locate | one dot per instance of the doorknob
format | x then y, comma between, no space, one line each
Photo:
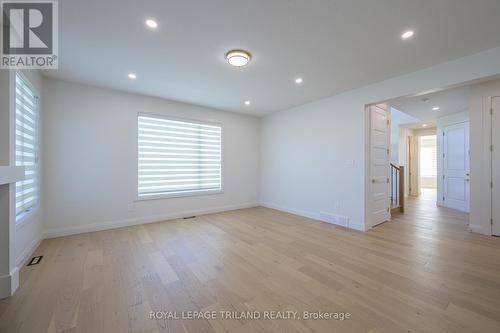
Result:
467,174
373,181
467,179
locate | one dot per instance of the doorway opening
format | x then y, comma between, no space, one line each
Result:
427,166
419,151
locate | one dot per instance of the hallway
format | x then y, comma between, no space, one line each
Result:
423,213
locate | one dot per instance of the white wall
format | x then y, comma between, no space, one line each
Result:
90,156
307,151
441,123
480,141
398,118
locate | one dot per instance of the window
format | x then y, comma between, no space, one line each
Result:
26,147
428,156
177,157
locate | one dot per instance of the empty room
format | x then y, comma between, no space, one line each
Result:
250,166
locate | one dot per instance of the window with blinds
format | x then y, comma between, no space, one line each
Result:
26,147
428,156
178,157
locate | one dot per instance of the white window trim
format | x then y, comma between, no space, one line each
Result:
21,219
179,194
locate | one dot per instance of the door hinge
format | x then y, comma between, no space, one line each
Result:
387,151
491,148
443,133
491,184
443,198
491,111
387,179
491,220
443,176
387,121
443,155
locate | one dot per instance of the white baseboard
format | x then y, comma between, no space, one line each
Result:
5,290
14,280
479,229
73,230
9,283
310,215
24,256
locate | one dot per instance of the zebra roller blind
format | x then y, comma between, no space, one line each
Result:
177,157
26,146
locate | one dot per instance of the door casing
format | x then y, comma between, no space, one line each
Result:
495,165
379,162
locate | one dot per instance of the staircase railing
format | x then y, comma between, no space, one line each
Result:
397,188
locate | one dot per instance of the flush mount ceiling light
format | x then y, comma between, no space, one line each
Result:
132,76
247,102
151,24
299,80
238,58
424,125
407,34
436,108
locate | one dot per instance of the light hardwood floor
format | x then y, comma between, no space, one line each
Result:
421,272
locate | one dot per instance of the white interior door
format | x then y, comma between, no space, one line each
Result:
495,167
379,165
456,170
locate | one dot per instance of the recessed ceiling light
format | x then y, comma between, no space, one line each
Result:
408,34
152,24
247,102
424,125
299,80
238,58
132,76
436,108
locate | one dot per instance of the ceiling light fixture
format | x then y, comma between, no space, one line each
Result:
247,102
408,34
152,24
299,80
436,108
132,76
424,125
238,58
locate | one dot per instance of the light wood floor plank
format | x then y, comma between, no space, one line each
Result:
421,272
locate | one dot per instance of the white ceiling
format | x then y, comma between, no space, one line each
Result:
335,45
449,102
